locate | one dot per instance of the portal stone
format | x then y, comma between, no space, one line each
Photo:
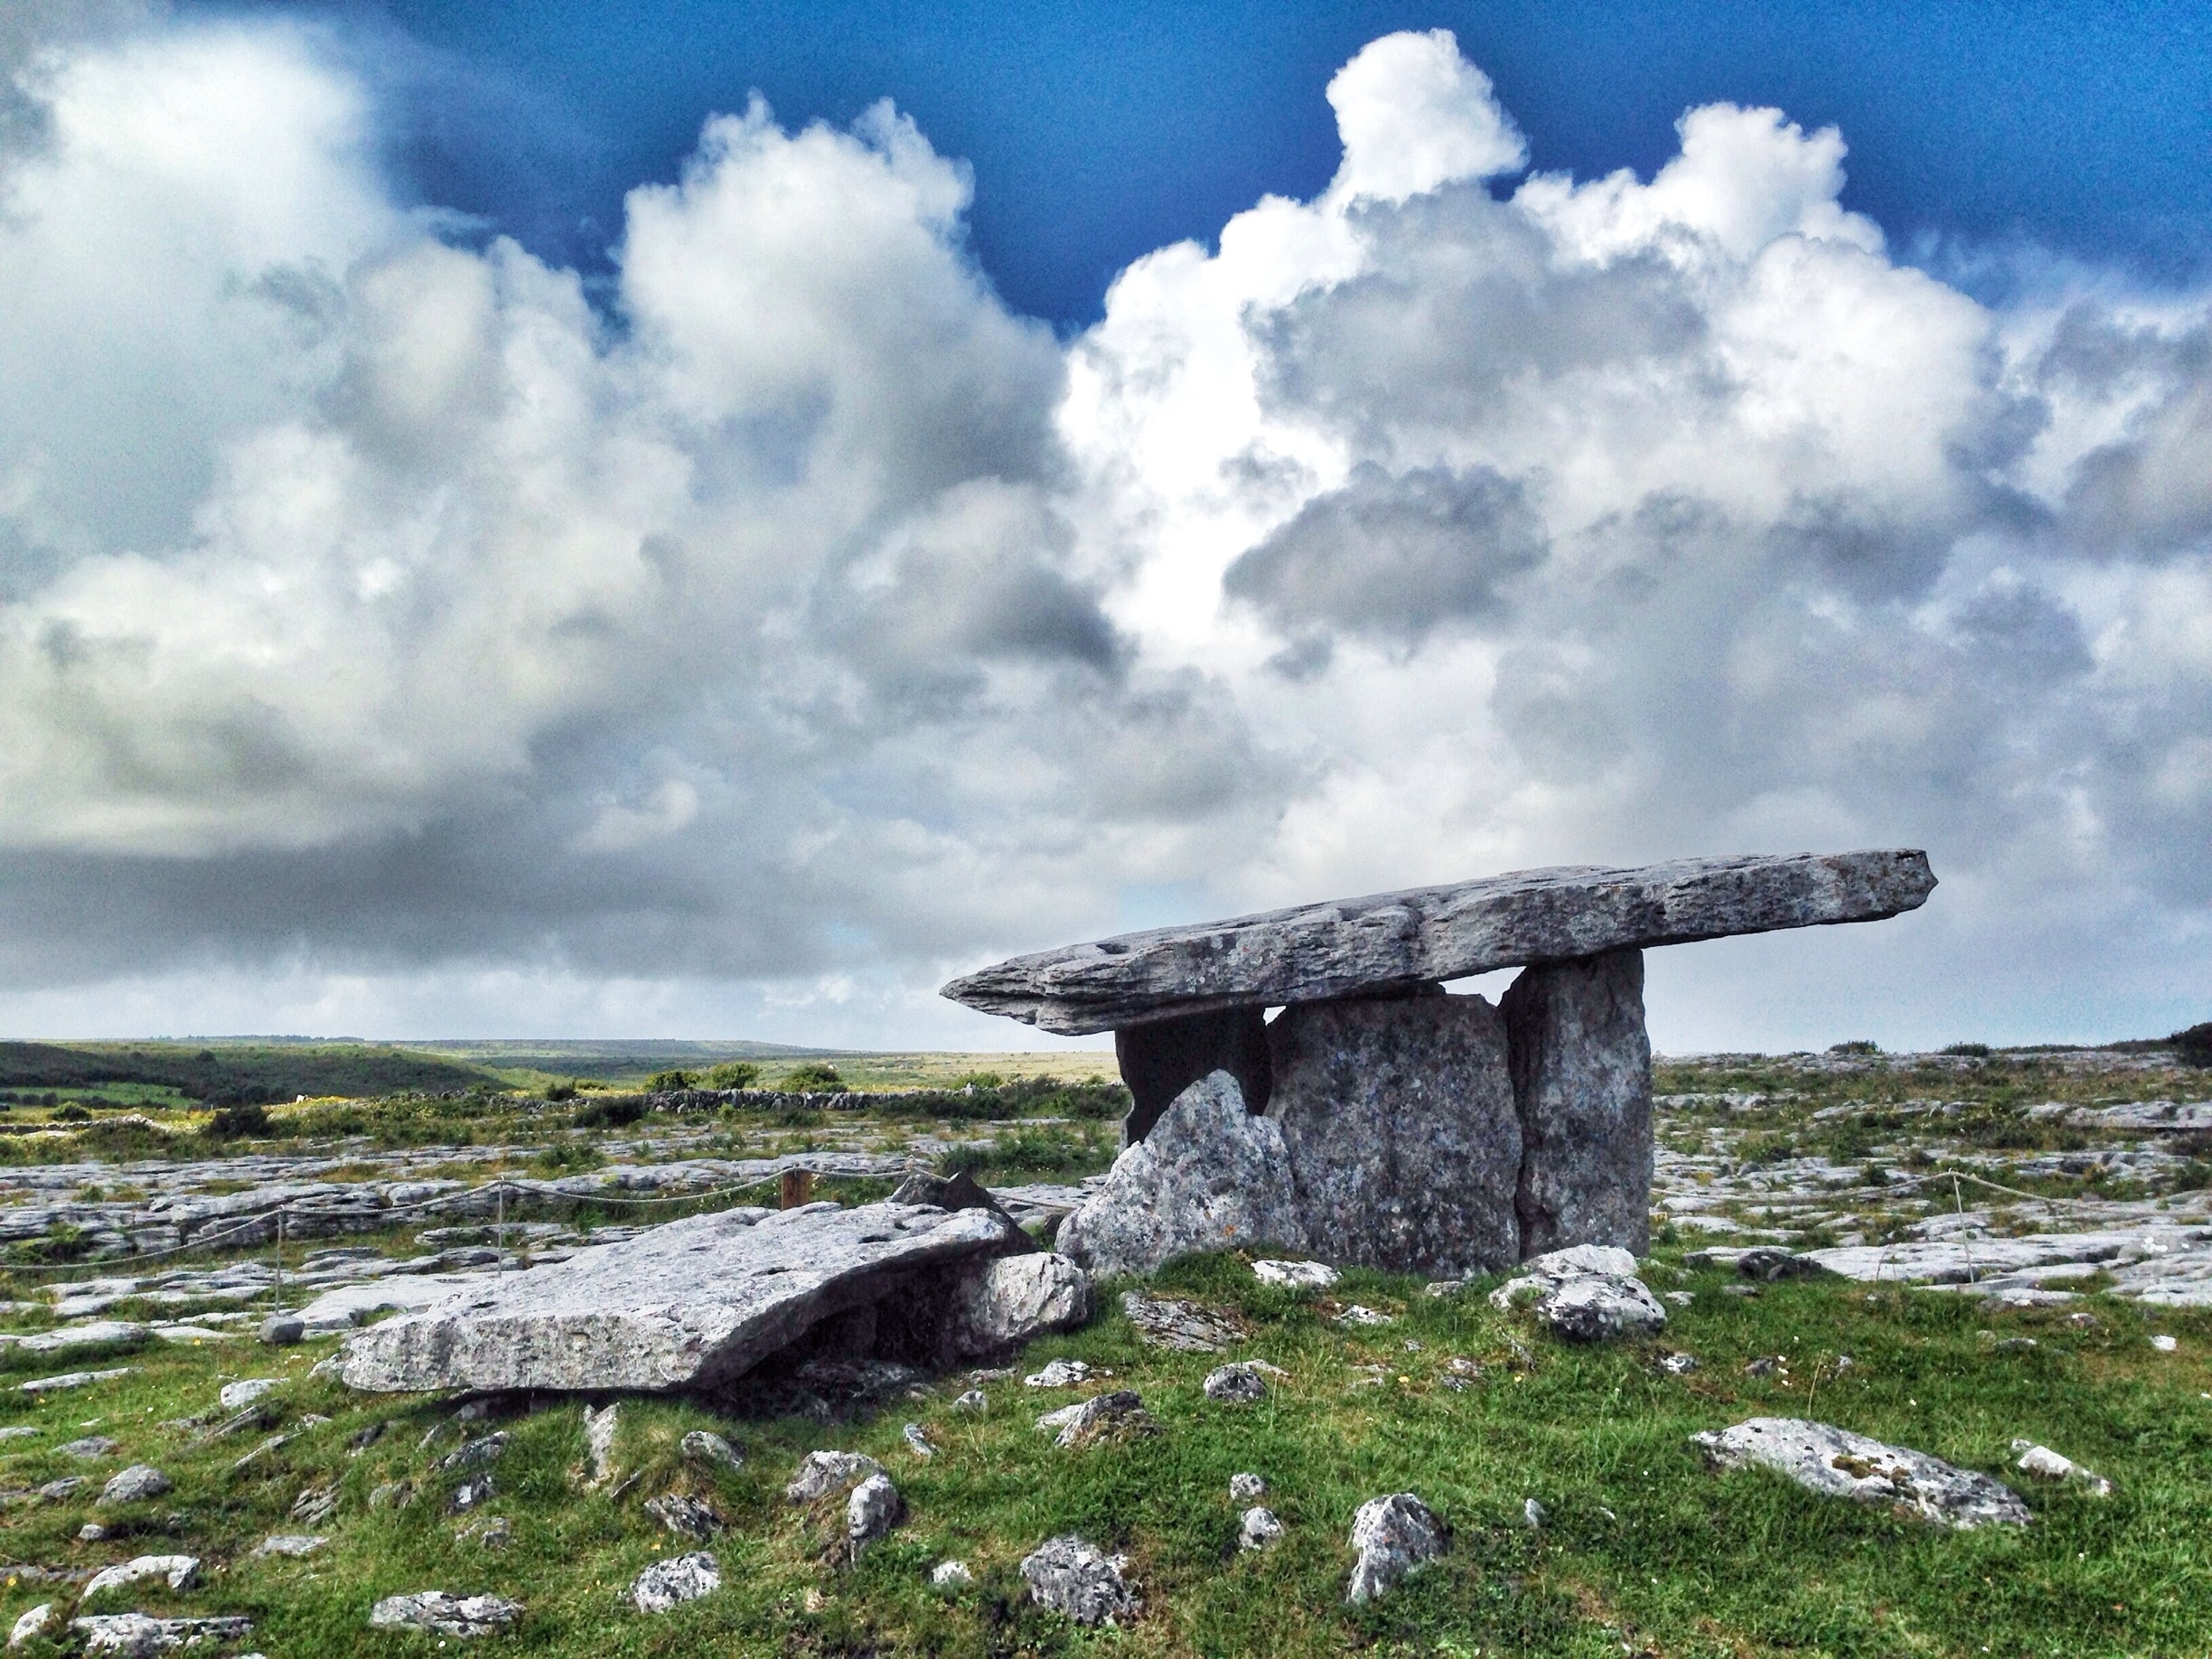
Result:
1162,1058
1581,1075
1399,1119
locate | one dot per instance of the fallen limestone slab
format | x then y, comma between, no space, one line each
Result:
1318,952
177,1572
453,1616
2172,1266
139,1635
1004,1303
345,1307
97,1334
1837,1463
688,1305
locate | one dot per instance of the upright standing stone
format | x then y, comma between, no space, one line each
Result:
1581,1078
1209,1177
1398,1116
1162,1058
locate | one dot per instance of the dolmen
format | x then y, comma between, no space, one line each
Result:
1375,1119
936,1275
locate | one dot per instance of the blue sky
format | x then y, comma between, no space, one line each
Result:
496,538
1100,132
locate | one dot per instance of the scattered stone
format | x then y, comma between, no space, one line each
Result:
1235,1384
72,1379
1300,1275
1357,1315
1210,1175
1398,1117
2015,1344
827,1472
672,1583
54,1491
872,1510
1678,1364
1393,1535
390,1495
361,1439
318,1503
975,1399
687,1517
487,1449
1074,1578
2164,1344
91,1445
916,1441
1770,1263
1837,1463
1258,1529
178,1571
991,1373
473,1492
2042,1461
1533,1514
951,1576
491,1532
38,1622
1184,1326
135,1484
291,1543
1767,1366
685,1304
599,1425
19,1431
139,1635
454,1616
1589,1293
238,1396
1433,934
282,1330
1442,1288
959,1191
93,1333
91,1532
1247,1488
1680,1298
1582,1082
1015,1299
1120,1415
1058,1373
1746,1291
704,1446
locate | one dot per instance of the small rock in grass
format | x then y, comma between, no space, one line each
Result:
916,1441
390,1495
2016,1345
1357,1315
435,1611
1058,1373
91,1445
282,1330
672,1583
975,1399
873,1509
317,1504
177,1572
1297,1275
54,1491
2164,1344
599,1425
91,1532
1680,1298
1074,1578
19,1431
1186,1327
1746,1291
1443,1287
238,1396
361,1439
1533,1514
1394,1535
1837,1463
2041,1460
72,1379
473,1492
687,1517
1258,1529
135,1484
492,1533
38,1622
1678,1364
134,1635
704,1446
1235,1384
1767,1366
826,1472
1119,1415
952,1575
291,1543
1247,1488
487,1449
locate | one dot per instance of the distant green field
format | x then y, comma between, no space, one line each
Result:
229,1074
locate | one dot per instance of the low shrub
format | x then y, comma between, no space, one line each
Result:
813,1077
669,1082
733,1074
237,1122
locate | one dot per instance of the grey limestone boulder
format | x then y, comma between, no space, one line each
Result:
1397,1115
687,1517
827,1472
140,1635
871,1510
672,1583
705,1445
1258,1529
453,1616
1013,1299
135,1485
1586,1293
1078,1580
1837,1463
1209,1177
177,1572
1237,1384
687,1304
1581,1075
1394,1535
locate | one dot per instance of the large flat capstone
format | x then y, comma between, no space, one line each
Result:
688,1305
1318,951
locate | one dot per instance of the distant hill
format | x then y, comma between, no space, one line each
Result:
614,1058
233,1072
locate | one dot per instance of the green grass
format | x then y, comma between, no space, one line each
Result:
1643,1546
